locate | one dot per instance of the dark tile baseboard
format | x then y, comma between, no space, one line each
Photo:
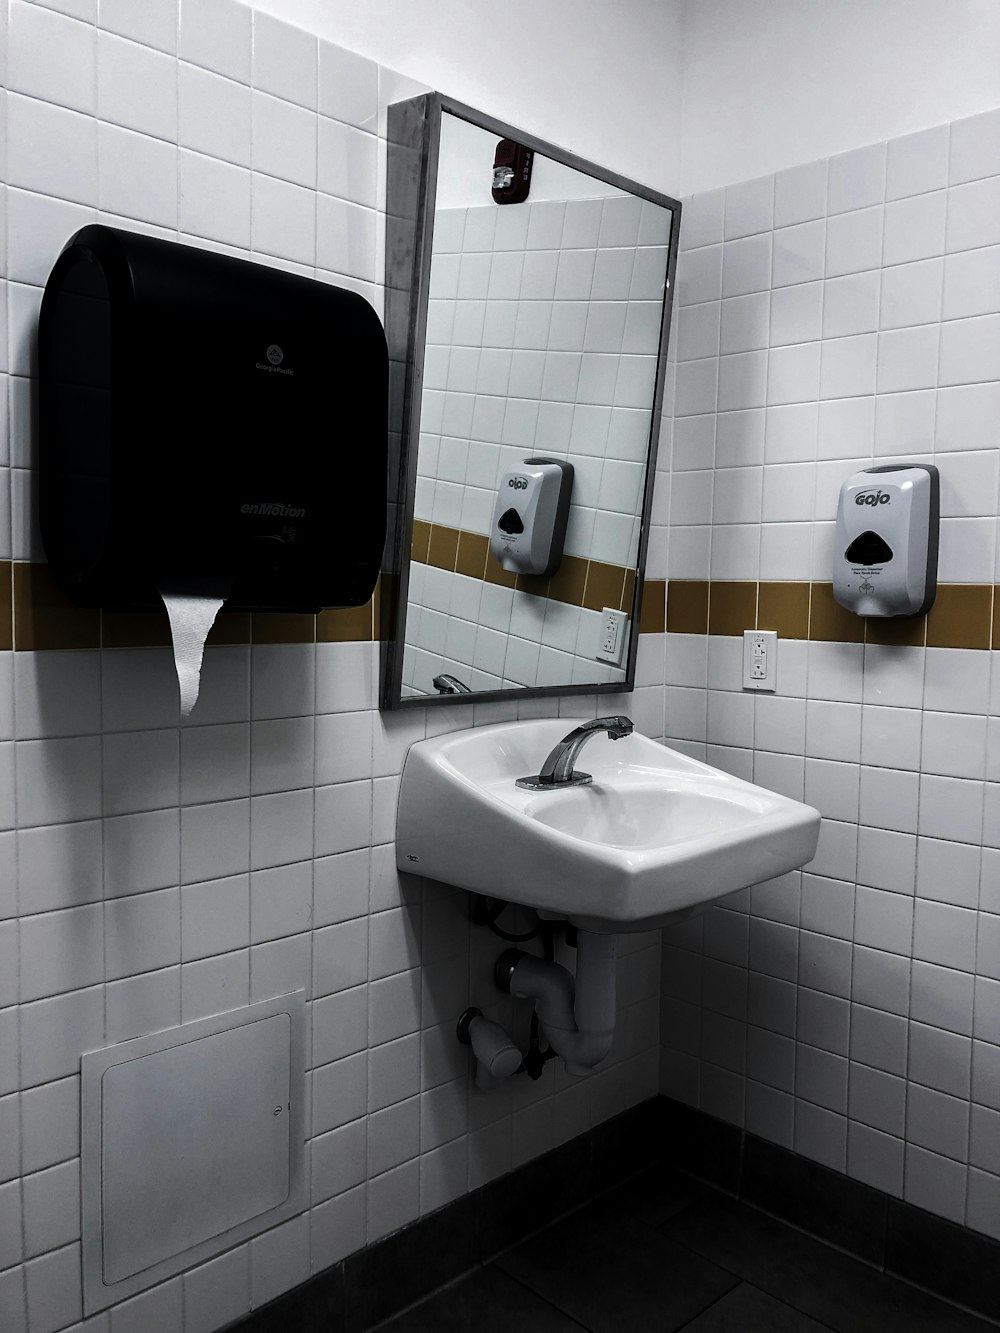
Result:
354,1295
953,1262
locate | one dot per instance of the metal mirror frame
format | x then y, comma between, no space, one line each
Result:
413,153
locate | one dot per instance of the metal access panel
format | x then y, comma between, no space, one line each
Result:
192,1141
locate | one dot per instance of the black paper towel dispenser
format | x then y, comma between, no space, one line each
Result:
203,417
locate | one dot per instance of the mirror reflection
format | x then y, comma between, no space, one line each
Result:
540,365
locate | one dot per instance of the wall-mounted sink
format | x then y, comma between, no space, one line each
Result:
655,836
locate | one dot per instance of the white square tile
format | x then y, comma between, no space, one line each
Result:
884,920
56,780
796,313
742,381
907,359
283,220
218,1292
37,228
139,1005
798,254
917,163
284,140
280,901
349,87
975,147
889,799
141,852
53,1288
51,57
800,194
347,239
51,1130
857,179
911,293
214,115
215,917
942,998
793,374
213,200
875,1158
279,1260
142,933
136,87
846,428
281,828
347,163
215,840
791,432
970,350
285,60
154,23
848,366
51,150
854,242
699,278
749,208
945,935
973,219
914,228
904,423
851,304
972,283
747,265
140,771
216,34
702,219
138,176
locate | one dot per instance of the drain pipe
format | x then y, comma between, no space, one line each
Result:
577,1016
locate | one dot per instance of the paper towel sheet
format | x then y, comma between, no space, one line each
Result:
192,607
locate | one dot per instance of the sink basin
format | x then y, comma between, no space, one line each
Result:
655,837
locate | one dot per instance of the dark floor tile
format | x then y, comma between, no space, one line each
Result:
655,1195
834,1288
486,1302
696,1142
386,1277
510,1208
826,1203
747,1310
961,1264
622,1145
615,1275
317,1306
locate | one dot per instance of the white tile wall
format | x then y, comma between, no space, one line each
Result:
867,1005
165,872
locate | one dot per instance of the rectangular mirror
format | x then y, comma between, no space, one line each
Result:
528,303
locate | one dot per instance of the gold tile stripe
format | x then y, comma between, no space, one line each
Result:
35,615
578,582
964,615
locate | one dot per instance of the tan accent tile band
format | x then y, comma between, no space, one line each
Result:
578,582
964,615
35,614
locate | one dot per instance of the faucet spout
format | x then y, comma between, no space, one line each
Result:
558,769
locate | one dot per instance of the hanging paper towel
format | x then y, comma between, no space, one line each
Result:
192,605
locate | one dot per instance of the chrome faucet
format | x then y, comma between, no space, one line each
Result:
558,770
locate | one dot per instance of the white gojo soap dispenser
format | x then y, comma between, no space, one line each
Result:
885,558
530,516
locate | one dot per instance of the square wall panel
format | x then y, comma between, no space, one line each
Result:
192,1142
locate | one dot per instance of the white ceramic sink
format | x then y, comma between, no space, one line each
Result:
655,837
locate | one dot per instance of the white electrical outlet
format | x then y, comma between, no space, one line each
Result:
612,635
760,659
